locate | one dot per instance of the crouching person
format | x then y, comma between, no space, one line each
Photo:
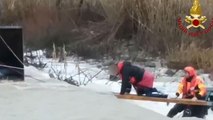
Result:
141,79
191,87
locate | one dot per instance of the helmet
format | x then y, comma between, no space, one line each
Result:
190,70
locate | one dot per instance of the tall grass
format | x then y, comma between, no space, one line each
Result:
191,55
99,27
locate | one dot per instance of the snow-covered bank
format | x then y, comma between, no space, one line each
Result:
72,103
46,103
40,97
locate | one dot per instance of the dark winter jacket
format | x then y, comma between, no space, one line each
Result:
134,75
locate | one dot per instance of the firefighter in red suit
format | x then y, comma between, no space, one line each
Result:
191,87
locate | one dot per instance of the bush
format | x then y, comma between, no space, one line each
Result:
193,55
99,24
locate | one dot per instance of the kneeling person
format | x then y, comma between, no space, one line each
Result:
191,87
137,77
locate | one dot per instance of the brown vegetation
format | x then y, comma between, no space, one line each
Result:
94,28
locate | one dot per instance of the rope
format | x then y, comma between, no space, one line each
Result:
11,50
7,66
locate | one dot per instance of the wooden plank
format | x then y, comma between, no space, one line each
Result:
171,100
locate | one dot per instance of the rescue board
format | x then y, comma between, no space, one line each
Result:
166,100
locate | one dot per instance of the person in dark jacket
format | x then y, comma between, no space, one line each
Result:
141,79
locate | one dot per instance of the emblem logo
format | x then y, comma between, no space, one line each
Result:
195,20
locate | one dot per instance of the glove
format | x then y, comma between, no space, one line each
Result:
198,96
128,90
177,94
189,96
